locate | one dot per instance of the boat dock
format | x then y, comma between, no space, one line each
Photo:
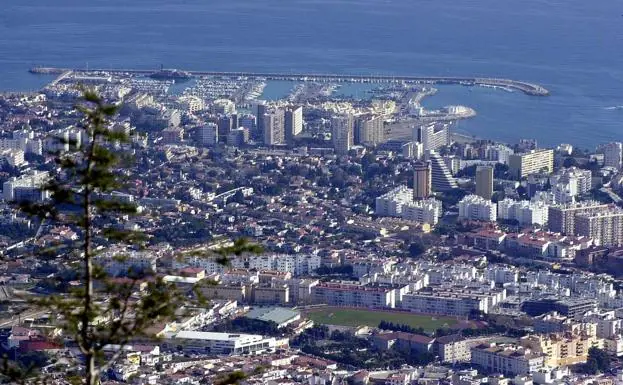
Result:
525,87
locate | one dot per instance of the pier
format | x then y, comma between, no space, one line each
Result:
525,87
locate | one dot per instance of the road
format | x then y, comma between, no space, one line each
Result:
614,196
15,320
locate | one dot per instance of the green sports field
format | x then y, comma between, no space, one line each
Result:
355,317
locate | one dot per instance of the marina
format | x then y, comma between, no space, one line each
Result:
525,87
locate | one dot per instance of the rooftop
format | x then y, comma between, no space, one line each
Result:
277,315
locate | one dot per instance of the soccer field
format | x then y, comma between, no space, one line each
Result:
354,317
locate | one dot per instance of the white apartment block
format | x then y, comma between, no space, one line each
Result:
342,133
399,203
223,107
499,153
220,343
502,274
507,359
191,103
210,265
564,193
476,208
606,227
413,150
580,180
13,158
453,301
123,262
432,135
26,187
524,212
613,154
350,294
297,264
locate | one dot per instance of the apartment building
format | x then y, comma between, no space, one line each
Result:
561,218
507,359
476,208
453,301
522,165
375,296
605,227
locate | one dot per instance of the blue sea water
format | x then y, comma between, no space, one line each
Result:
573,47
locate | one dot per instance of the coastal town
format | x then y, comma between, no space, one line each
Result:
394,249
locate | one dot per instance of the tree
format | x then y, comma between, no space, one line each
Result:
569,162
600,358
416,249
78,199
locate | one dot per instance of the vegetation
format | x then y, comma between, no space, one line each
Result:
354,352
361,317
251,326
87,173
401,328
346,270
598,361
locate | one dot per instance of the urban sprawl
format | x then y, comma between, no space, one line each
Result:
395,250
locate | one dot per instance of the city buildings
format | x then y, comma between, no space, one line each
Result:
293,123
484,182
524,212
453,301
399,203
476,208
238,137
225,124
535,161
441,177
12,157
207,134
273,125
507,359
433,136
127,262
613,154
606,226
374,296
453,348
220,343
562,349
421,180
499,153
29,187
562,218
413,150
342,135
569,184
223,107
369,130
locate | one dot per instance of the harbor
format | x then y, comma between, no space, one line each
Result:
508,84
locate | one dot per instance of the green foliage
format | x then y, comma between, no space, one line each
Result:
232,378
416,249
346,270
598,359
355,353
401,328
113,315
117,312
249,326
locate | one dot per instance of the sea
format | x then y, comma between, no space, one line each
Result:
572,47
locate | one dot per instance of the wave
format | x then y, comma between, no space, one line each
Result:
613,108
